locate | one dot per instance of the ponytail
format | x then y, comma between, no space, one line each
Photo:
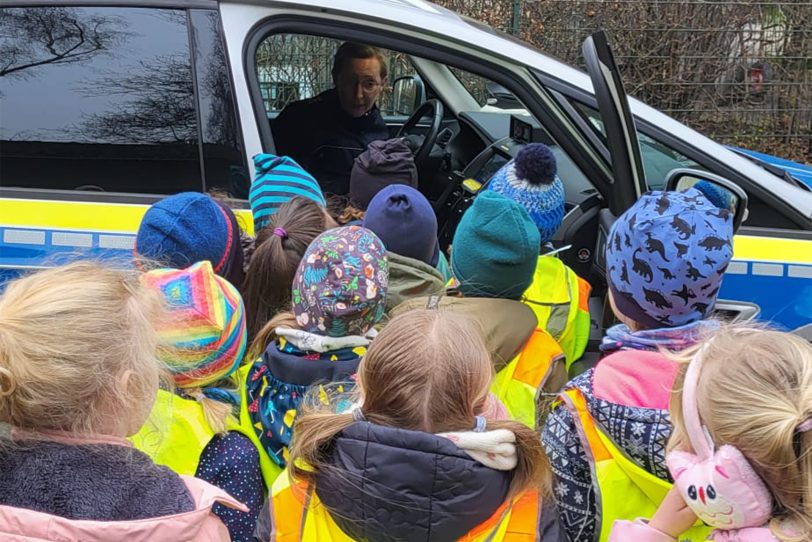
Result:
759,408
533,469
267,334
279,248
315,432
804,515
215,412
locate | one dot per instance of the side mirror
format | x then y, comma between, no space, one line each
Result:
407,94
721,192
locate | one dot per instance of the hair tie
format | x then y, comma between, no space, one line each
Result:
805,425
481,423
280,232
358,416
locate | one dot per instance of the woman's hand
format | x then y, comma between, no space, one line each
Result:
673,517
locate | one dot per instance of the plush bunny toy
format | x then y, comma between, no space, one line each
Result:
720,486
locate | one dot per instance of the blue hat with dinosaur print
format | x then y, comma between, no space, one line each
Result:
665,258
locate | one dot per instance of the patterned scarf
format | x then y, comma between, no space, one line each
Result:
674,339
273,400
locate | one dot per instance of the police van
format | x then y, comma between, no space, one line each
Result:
106,106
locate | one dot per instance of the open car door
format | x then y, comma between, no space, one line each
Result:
618,124
629,181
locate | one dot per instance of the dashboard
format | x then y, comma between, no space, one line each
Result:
484,143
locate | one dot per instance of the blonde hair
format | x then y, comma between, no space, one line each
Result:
70,338
754,390
267,333
216,413
429,371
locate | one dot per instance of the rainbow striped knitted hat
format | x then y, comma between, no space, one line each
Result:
203,337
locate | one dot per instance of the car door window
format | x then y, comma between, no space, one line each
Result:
292,67
224,167
98,98
658,158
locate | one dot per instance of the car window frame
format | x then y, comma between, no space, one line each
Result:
193,51
540,104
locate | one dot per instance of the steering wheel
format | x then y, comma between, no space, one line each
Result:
422,144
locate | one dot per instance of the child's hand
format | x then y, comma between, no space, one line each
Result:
674,517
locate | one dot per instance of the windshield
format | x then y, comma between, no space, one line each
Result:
658,158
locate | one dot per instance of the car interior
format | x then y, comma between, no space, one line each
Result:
459,143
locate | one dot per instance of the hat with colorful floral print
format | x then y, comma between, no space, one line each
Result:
340,286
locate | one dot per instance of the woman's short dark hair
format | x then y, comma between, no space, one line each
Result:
350,50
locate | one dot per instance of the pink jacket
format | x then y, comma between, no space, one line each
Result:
199,525
640,531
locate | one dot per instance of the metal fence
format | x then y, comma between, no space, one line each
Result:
739,71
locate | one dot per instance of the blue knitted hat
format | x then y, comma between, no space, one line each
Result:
495,248
191,227
715,194
666,256
531,181
278,180
404,220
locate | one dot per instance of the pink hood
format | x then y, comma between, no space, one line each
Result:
637,378
199,525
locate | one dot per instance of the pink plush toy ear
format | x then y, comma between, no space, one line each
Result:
723,491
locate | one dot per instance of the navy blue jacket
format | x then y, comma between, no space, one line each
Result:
324,140
386,484
282,379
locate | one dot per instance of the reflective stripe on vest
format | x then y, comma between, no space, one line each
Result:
270,470
623,490
175,433
560,300
297,514
519,384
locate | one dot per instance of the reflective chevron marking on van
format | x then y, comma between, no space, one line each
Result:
43,233
29,247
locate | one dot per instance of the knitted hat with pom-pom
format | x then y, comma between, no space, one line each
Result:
531,181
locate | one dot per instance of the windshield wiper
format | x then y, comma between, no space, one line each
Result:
775,170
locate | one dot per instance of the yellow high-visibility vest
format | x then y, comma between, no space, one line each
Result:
537,370
298,515
623,489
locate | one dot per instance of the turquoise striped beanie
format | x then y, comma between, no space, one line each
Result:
279,179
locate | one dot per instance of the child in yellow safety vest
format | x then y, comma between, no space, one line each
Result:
606,436
494,255
741,450
191,428
414,458
557,295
